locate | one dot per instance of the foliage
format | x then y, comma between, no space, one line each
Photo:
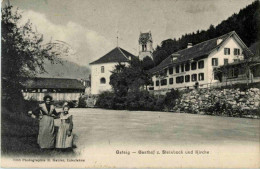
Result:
23,52
82,102
147,63
19,135
245,23
138,100
105,100
125,79
171,97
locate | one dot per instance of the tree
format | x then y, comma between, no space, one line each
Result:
245,23
23,52
148,63
159,56
129,78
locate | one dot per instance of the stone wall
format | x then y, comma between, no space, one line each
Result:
225,102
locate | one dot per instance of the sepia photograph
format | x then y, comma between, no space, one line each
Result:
130,84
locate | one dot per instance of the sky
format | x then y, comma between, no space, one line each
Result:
91,26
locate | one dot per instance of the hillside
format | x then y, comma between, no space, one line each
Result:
244,23
65,70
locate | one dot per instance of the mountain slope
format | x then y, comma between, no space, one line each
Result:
245,24
65,70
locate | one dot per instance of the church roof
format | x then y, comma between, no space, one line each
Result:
198,51
145,37
116,55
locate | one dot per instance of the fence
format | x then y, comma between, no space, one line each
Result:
55,96
207,85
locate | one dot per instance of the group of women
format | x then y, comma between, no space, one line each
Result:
48,137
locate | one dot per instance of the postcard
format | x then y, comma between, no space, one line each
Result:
130,84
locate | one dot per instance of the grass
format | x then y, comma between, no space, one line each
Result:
19,136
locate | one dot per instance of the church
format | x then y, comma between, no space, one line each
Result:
101,68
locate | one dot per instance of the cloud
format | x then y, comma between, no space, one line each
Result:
88,44
200,7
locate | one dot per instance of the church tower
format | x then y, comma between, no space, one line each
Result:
145,45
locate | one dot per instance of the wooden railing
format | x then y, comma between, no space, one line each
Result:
56,96
207,85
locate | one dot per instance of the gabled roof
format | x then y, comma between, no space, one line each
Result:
52,83
116,55
197,51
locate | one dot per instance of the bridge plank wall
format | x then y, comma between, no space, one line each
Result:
56,96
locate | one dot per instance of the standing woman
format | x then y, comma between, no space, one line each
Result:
64,136
45,113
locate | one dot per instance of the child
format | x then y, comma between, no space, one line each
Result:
64,136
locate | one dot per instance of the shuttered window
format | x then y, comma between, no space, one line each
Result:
187,78
193,65
171,81
171,70
194,77
214,61
201,64
201,76
226,51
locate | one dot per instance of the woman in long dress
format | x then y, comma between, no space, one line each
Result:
45,113
64,136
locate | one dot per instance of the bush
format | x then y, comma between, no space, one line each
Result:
170,98
73,103
134,100
105,100
82,102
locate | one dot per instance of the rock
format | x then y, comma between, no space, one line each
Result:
254,89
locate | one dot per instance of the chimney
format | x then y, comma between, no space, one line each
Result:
219,41
189,45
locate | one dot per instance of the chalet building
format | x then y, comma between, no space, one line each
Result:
101,69
241,71
196,65
145,45
60,89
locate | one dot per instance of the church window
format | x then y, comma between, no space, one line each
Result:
144,48
102,69
102,80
